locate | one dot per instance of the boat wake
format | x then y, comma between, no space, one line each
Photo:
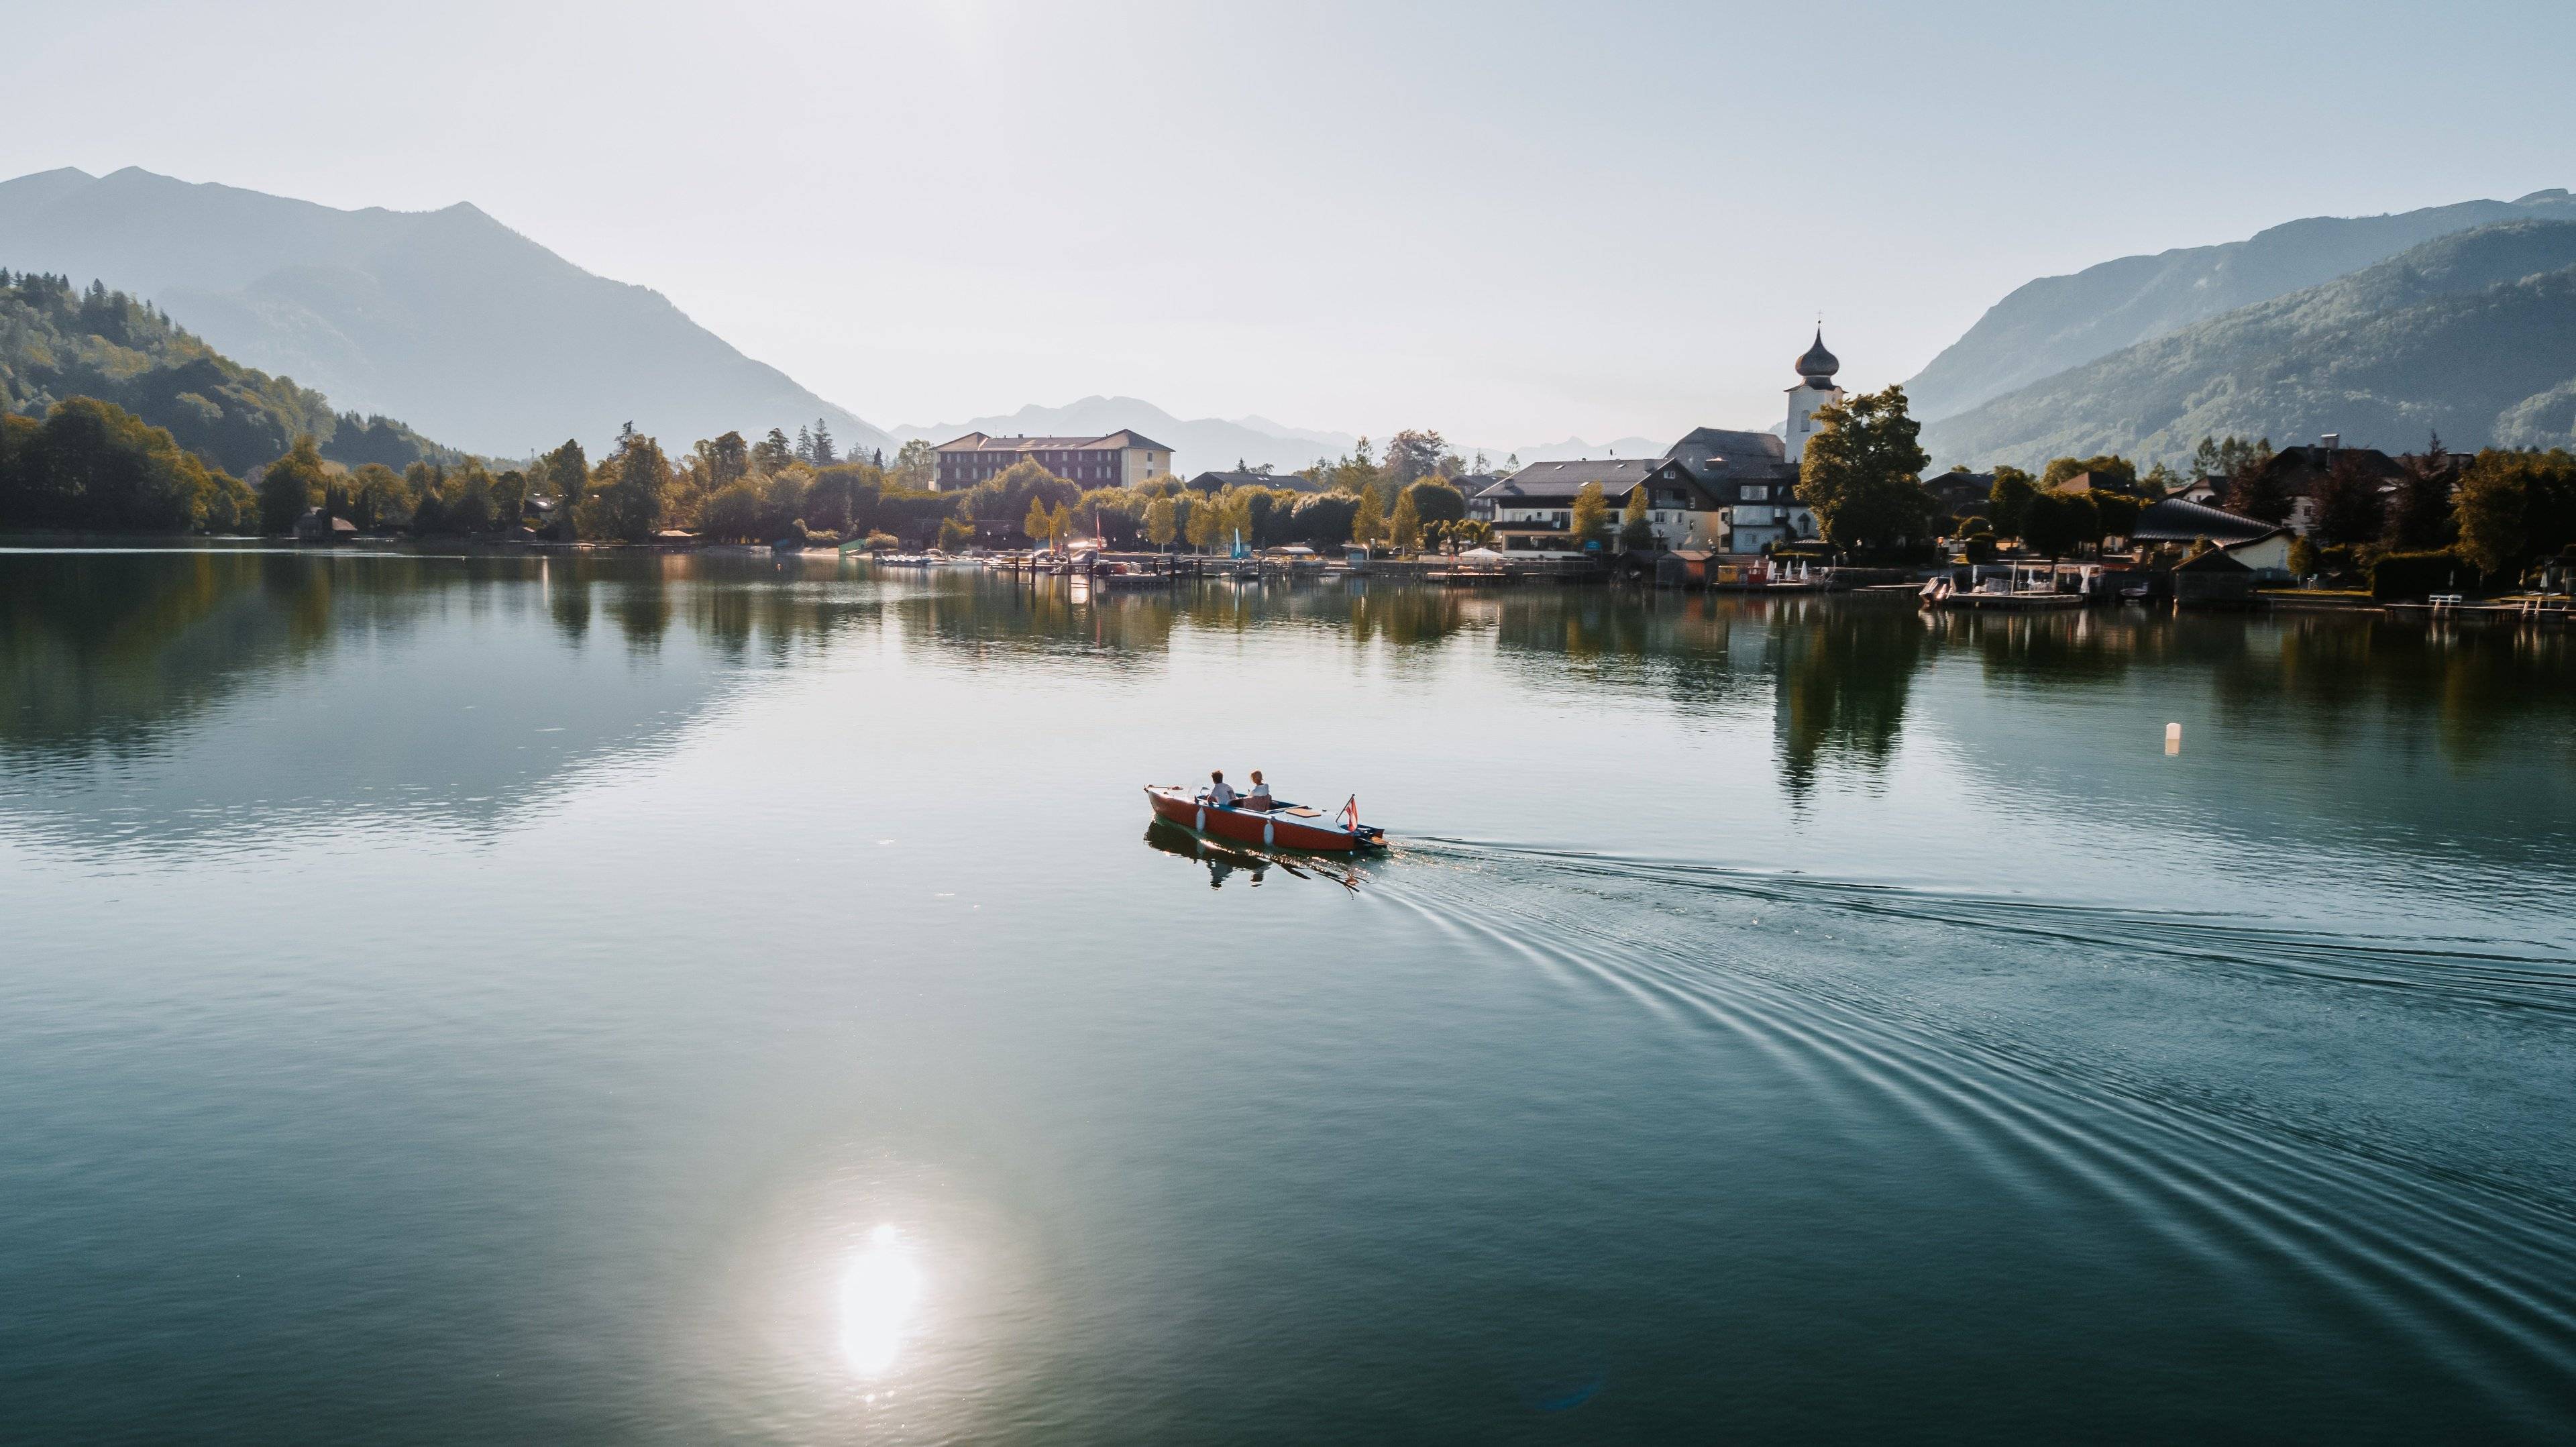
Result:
2376,1127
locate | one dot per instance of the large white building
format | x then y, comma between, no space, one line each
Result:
1716,489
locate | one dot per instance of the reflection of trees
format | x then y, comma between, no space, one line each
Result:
103,651
1845,669
2074,648
2326,676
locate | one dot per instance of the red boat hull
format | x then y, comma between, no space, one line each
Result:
1288,827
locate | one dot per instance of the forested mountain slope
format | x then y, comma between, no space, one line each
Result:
58,342
2056,322
2473,334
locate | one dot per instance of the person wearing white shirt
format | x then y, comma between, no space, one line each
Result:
1259,796
1220,794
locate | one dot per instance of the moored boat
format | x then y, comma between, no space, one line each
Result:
1282,826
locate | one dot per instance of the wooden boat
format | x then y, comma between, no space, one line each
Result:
1283,826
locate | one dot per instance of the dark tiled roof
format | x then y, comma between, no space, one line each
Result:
1549,481
1719,449
2175,520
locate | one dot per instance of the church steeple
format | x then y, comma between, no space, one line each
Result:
1815,388
1818,365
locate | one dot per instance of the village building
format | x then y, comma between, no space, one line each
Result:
2301,472
1120,459
2175,525
1717,490
1962,493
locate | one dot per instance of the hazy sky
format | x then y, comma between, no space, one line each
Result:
1510,222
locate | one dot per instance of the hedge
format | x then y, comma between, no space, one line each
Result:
2419,575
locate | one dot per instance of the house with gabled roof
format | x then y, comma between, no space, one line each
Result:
1718,489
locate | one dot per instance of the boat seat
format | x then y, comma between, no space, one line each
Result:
1301,811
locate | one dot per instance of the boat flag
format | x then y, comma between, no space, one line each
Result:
1351,814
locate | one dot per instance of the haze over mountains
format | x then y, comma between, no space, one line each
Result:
1212,443
2374,327
2473,334
2056,322
449,320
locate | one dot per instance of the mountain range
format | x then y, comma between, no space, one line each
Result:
2471,334
1214,444
448,319
2374,327
2046,326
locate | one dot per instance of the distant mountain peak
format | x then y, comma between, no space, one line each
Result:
449,318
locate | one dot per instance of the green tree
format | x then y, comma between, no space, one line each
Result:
377,497
824,454
2258,489
770,453
2492,513
2350,509
1162,522
1368,521
1039,525
2110,473
427,484
733,513
1411,455
469,501
1406,527
1862,474
1204,520
955,534
1323,520
628,504
290,485
2059,523
1437,502
1634,531
916,467
2009,499
2420,521
567,474
1590,520
2304,562
509,498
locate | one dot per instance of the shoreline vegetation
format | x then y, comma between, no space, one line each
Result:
114,421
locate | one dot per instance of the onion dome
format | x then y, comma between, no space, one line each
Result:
1818,364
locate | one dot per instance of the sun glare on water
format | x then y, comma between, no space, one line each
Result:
879,1291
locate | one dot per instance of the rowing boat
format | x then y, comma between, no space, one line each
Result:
1283,826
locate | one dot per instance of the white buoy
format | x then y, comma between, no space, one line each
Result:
2173,738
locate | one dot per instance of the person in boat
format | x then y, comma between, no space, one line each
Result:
1258,797
1220,794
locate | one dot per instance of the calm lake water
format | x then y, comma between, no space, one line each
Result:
696,999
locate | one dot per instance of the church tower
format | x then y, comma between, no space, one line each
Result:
1815,388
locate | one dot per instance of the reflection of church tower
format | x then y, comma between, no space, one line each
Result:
1815,388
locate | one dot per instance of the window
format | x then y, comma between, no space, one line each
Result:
1757,494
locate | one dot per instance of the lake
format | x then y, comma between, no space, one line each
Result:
693,998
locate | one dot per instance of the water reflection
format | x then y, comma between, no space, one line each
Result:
359,687
1225,861
880,1289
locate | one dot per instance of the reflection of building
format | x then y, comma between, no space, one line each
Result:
1730,491
1121,459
